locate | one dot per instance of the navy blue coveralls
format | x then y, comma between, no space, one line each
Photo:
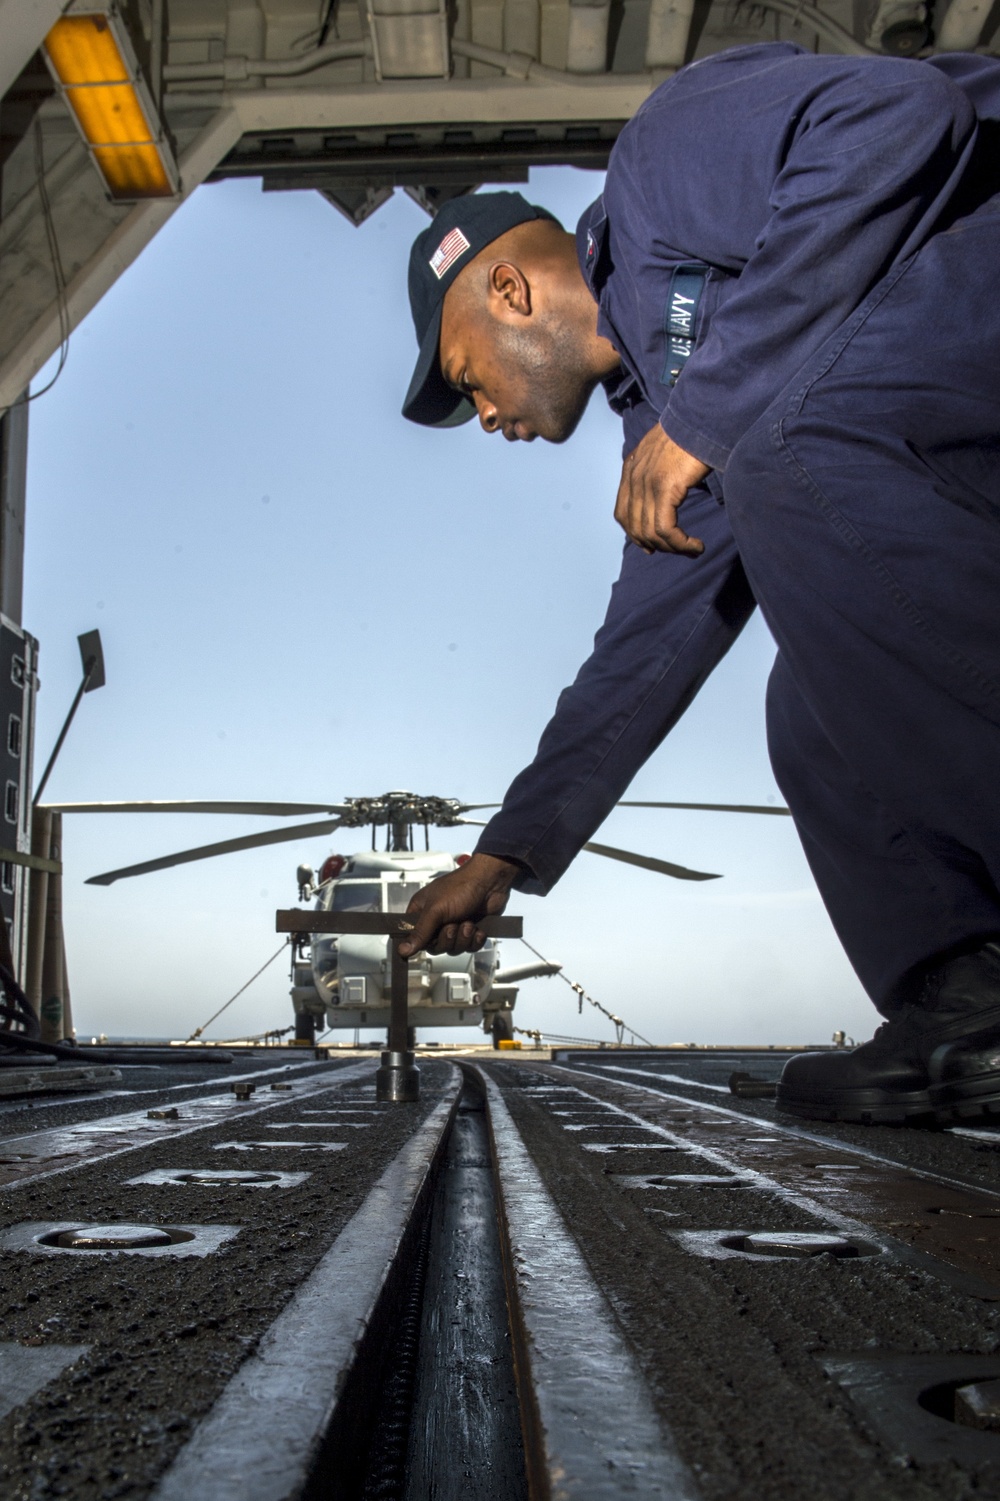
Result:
844,385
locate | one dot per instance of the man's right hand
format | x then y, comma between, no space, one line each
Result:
446,912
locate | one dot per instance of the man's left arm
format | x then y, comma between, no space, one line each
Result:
669,624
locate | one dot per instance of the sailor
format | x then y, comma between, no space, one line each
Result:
788,291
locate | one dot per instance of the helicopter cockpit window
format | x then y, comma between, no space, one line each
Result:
399,894
357,896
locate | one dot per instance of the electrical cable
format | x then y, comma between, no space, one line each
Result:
620,1026
241,69
199,1030
258,1036
58,274
804,14
317,36
16,1008
17,1018
538,1033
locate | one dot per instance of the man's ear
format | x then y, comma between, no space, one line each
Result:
508,289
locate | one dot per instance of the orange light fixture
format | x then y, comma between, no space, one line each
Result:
91,58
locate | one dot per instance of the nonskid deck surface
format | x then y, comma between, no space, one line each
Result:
356,1319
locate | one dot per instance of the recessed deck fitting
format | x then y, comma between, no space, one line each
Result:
770,1245
276,1146
832,1167
71,1238
926,1408
184,1177
967,1214
978,1405
679,1180
797,1243
114,1238
604,1148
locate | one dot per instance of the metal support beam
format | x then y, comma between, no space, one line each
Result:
668,33
608,96
962,26
120,249
23,26
38,901
13,489
587,39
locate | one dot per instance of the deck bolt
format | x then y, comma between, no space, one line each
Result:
797,1243
978,1405
223,1178
113,1237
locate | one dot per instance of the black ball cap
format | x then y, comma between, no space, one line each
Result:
461,228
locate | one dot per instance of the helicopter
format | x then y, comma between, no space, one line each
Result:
343,978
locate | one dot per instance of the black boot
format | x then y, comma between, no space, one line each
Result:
937,1059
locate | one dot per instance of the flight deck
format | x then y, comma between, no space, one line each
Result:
560,1272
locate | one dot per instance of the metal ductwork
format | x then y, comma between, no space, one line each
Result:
587,38
899,28
963,24
668,33
409,38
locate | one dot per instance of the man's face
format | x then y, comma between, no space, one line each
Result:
526,375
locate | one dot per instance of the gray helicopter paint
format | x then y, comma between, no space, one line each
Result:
350,972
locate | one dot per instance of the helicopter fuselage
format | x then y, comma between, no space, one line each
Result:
347,978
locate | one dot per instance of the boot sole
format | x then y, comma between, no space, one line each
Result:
974,1099
864,1107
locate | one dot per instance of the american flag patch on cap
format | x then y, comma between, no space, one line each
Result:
451,247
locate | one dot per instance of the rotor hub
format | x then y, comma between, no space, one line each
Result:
401,808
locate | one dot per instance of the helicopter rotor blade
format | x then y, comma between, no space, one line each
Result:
649,862
715,807
224,847
627,857
268,810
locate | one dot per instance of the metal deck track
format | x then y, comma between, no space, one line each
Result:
545,1280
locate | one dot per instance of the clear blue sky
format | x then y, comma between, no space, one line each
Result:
301,596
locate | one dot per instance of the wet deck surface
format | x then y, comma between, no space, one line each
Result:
777,1376
780,1377
164,1334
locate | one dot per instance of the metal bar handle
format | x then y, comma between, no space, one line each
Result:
297,920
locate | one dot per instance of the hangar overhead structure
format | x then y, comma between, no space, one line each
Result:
112,113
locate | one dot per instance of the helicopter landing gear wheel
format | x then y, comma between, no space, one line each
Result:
305,1028
502,1028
